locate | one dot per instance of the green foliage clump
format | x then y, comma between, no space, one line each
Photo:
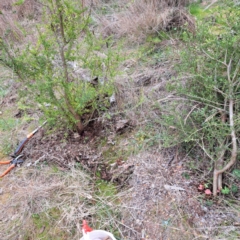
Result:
236,173
43,226
207,85
58,68
208,115
225,190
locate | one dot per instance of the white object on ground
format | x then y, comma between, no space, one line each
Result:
168,187
98,235
112,99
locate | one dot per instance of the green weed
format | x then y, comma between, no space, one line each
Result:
106,189
225,190
8,124
44,225
236,173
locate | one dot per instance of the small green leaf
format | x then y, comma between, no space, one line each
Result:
206,185
35,216
225,190
108,116
186,175
236,173
19,3
234,189
209,203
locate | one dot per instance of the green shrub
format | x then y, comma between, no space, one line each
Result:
209,114
58,68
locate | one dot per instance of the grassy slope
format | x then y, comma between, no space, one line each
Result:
37,204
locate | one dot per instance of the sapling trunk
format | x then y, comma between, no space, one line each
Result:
60,15
78,122
233,158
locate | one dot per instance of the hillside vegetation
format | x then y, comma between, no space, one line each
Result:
141,100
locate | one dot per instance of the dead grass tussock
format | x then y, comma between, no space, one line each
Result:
141,18
33,192
12,16
8,27
29,9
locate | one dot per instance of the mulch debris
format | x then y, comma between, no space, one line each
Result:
74,149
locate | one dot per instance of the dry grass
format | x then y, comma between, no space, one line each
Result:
153,211
8,27
142,87
50,203
13,15
34,192
141,18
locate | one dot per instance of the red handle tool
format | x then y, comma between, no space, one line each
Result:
14,162
16,157
29,136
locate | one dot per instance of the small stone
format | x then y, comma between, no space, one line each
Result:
75,135
138,222
47,104
122,124
112,99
